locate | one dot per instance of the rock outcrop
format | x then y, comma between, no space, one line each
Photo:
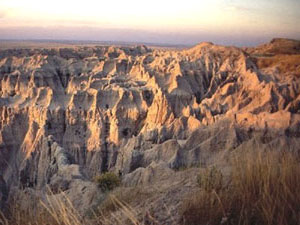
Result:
69,114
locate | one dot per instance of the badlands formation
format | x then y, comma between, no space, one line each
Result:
68,114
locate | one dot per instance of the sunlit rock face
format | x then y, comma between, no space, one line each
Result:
68,114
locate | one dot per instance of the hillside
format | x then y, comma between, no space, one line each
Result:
151,116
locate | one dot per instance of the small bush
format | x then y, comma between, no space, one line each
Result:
108,181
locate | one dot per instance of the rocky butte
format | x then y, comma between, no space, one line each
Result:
152,116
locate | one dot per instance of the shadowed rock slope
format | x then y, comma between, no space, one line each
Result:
69,114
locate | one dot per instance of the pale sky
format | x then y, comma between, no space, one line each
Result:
244,22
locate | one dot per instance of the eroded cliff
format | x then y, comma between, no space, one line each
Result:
68,114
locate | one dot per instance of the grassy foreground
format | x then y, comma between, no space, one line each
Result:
261,188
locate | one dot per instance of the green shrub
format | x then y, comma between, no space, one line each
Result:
108,181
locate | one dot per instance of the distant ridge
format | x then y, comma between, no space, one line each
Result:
40,42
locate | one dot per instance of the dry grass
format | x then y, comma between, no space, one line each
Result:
210,179
58,210
284,63
52,211
62,211
18,215
263,189
126,195
128,203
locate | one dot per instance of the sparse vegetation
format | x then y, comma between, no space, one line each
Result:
58,210
123,199
15,214
284,63
125,195
108,181
211,179
263,189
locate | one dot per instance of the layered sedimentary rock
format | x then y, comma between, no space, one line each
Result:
69,114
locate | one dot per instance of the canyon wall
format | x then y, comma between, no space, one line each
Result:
68,114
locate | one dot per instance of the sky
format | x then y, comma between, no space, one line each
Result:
231,22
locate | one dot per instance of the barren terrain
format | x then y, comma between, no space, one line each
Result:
155,117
